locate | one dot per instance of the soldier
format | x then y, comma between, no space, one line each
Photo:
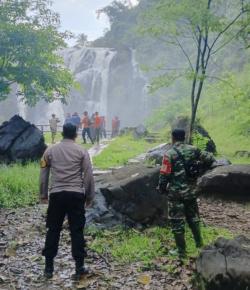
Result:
179,170
71,187
53,127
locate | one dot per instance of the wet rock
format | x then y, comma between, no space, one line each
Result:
225,265
156,154
232,180
140,132
132,192
20,141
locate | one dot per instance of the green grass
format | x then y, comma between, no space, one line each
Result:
47,138
223,129
120,150
127,246
19,185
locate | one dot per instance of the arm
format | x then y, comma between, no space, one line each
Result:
88,179
207,159
44,176
165,174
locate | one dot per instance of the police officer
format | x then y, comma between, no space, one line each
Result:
176,179
53,127
71,188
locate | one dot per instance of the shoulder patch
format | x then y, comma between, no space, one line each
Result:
43,163
166,167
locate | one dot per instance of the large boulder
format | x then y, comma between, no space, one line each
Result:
140,132
225,265
227,180
131,191
156,154
20,141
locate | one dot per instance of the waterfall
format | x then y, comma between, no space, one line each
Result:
138,74
109,81
90,67
21,106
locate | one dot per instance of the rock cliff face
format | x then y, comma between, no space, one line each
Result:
109,82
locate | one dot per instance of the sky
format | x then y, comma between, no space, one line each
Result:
79,16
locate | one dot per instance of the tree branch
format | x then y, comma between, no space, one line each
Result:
226,28
231,39
185,53
220,79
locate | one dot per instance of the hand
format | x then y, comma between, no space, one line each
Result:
43,200
162,189
88,203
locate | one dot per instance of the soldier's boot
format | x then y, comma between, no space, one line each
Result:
196,230
181,245
49,268
80,269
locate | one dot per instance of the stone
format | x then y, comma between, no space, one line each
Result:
225,265
231,180
131,191
20,141
140,132
156,154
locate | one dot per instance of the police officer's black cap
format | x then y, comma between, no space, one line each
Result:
178,134
69,131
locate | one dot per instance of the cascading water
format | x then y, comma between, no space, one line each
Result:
90,67
109,81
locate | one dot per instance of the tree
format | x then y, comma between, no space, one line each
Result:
81,39
29,49
200,29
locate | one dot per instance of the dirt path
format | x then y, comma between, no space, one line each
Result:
22,233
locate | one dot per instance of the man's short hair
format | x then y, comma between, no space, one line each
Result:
69,131
178,134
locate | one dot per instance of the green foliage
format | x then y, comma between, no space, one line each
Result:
199,30
120,150
29,51
19,185
199,141
225,113
146,246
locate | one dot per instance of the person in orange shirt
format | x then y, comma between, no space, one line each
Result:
86,127
97,126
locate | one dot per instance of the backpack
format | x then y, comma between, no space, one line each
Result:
192,167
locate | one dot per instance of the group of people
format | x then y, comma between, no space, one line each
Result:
93,127
72,189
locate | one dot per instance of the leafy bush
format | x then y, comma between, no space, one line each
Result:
199,141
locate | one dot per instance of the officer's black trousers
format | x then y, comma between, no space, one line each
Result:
62,204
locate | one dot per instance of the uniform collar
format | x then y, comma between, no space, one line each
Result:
178,143
68,140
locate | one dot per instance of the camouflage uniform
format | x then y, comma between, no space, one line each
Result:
179,188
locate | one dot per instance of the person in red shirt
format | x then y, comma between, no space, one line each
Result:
103,128
86,128
115,126
97,126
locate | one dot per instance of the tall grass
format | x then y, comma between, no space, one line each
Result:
19,185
